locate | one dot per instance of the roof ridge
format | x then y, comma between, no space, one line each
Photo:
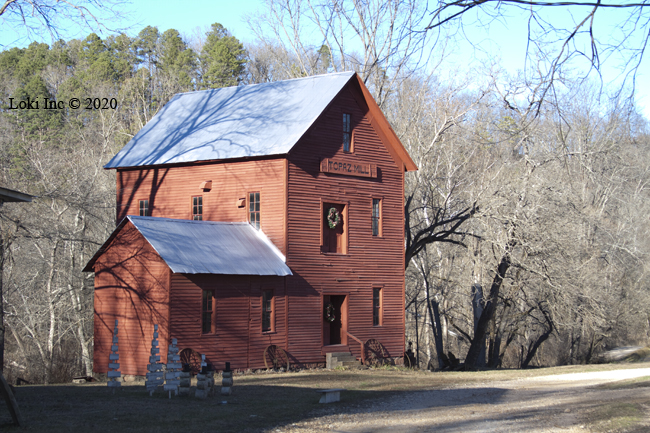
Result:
261,120
266,83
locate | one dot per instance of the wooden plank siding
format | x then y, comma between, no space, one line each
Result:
132,286
293,193
370,261
170,191
238,337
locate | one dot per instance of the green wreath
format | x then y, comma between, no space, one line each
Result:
333,218
330,315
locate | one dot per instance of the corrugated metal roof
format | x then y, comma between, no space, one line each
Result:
209,247
233,122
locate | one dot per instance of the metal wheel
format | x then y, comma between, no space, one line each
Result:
191,358
376,353
275,357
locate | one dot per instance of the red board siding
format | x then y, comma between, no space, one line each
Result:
370,261
131,285
170,190
238,337
293,193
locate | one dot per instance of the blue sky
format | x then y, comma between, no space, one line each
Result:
183,16
506,39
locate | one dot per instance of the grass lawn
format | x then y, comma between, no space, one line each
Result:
259,401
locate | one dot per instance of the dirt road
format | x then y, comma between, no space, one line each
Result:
576,402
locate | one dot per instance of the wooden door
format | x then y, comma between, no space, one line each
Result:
335,330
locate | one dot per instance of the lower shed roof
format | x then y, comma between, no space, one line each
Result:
206,247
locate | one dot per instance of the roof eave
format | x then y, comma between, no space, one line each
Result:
201,162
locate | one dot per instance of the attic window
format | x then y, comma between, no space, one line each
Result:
347,132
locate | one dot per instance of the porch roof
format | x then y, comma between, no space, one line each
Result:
207,247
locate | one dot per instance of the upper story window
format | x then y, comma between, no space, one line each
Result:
144,207
347,132
254,209
376,217
207,309
267,310
197,208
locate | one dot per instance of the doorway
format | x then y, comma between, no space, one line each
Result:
334,331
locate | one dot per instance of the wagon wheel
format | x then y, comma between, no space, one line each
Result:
407,361
376,353
275,357
191,358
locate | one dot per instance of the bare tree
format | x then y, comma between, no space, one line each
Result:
382,40
31,18
555,45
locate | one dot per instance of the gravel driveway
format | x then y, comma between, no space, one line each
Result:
555,403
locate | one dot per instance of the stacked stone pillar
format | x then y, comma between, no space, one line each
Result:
226,382
172,375
185,382
113,363
155,374
204,381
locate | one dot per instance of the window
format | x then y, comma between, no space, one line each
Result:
254,209
376,307
197,208
334,235
144,207
376,217
347,132
267,310
207,305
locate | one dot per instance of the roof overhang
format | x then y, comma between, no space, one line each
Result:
10,195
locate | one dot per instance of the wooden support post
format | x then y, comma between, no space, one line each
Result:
12,405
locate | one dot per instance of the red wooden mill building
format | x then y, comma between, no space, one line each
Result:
259,216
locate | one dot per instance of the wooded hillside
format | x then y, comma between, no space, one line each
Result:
530,203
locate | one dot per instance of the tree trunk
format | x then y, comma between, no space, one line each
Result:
417,335
51,300
2,311
443,360
533,350
471,360
435,327
477,304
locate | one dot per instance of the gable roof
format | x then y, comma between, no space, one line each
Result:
231,122
206,247
245,121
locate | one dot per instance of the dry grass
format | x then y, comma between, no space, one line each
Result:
617,417
639,382
259,401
